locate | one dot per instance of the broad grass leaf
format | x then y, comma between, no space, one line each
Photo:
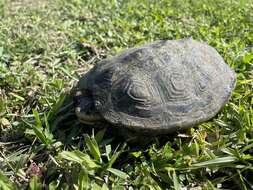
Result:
83,179
104,187
5,184
79,157
39,134
43,134
56,106
35,183
100,135
37,118
247,58
1,51
108,150
176,184
92,145
49,136
118,173
217,161
95,186
115,156
38,130
119,187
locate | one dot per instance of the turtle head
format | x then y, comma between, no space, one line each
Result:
85,109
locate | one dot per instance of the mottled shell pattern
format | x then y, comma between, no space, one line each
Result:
161,87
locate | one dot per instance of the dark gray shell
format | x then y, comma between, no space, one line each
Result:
161,87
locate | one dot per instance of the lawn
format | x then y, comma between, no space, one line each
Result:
45,46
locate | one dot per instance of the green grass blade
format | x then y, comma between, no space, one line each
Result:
104,187
83,179
93,147
118,173
115,156
176,184
39,134
57,105
79,157
5,184
35,184
99,135
216,161
37,118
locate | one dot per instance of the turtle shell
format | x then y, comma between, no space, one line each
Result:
161,87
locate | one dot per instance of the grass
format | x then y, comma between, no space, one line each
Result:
46,45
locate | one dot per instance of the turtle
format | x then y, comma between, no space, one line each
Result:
158,88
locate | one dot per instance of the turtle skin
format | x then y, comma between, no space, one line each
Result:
160,87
